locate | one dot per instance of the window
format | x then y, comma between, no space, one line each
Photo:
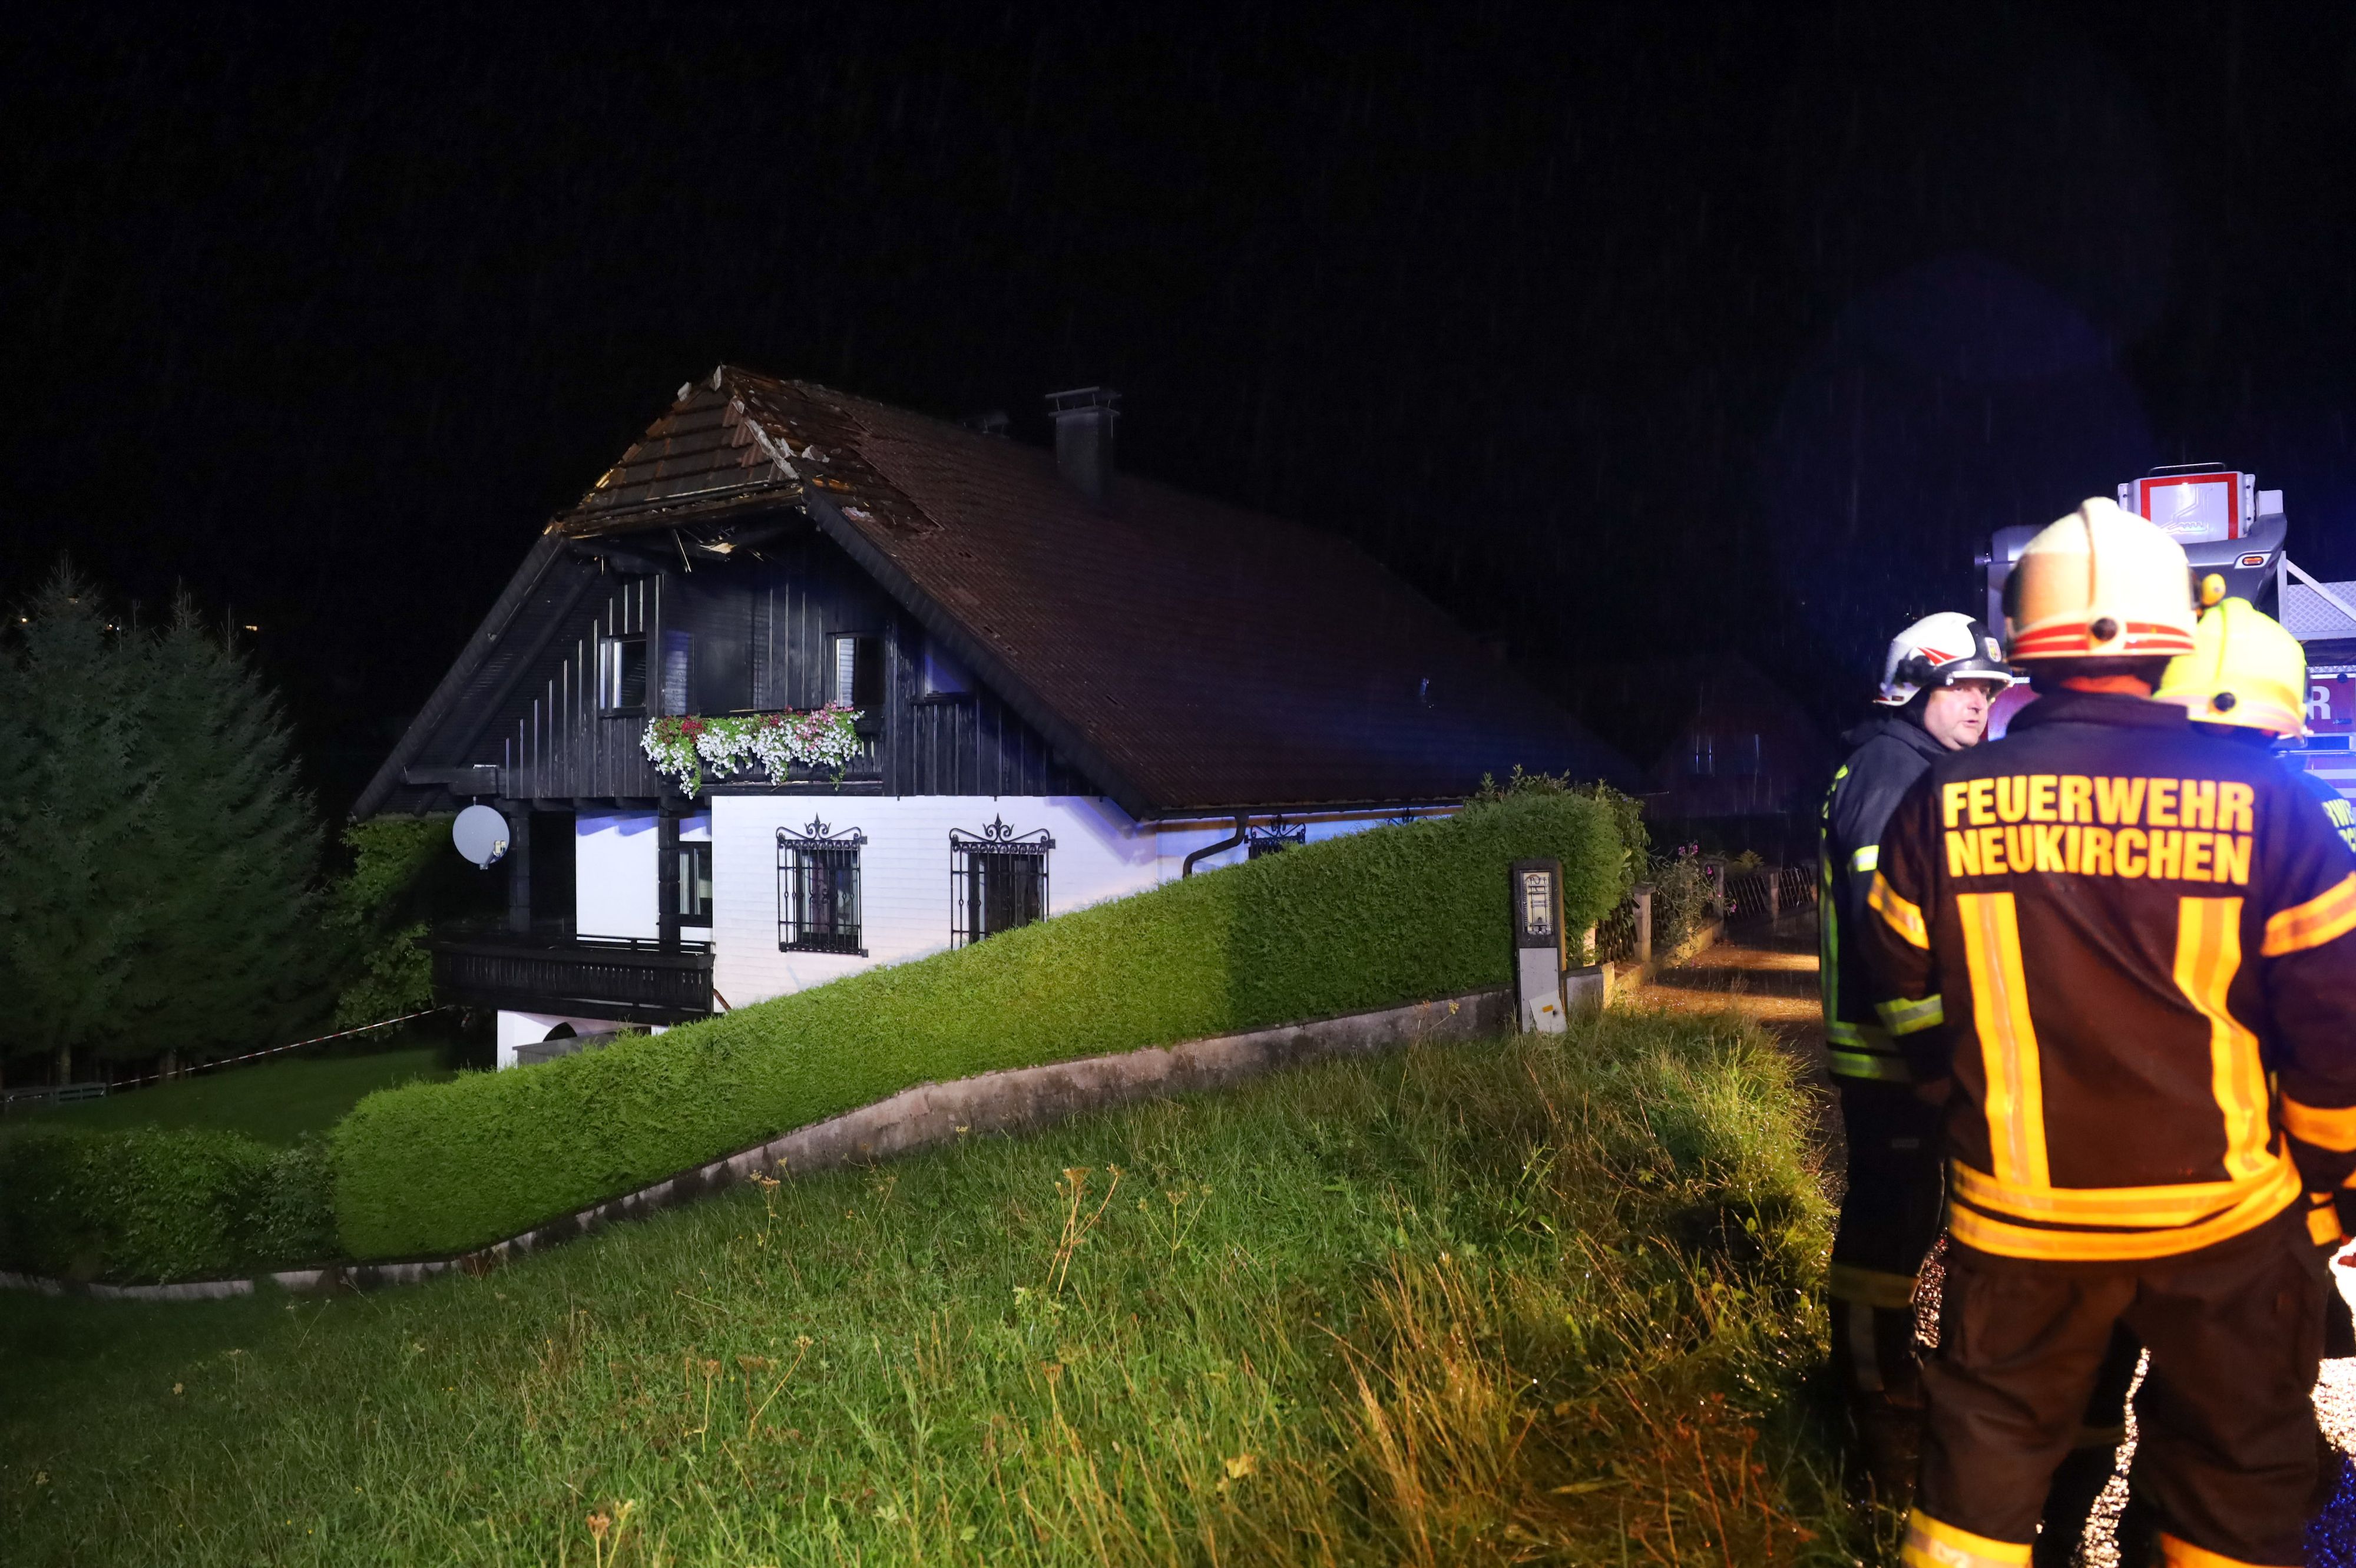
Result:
1702,763
858,672
677,648
998,880
695,884
817,890
621,673
1274,838
939,675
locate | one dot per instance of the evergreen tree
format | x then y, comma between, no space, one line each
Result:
158,858
235,845
77,790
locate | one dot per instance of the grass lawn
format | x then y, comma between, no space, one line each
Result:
1501,1303
274,1102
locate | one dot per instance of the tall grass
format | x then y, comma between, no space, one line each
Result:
1517,1302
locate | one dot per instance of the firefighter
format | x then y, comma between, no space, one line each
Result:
2136,938
1938,678
2246,679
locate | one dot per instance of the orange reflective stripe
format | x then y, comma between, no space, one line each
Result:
2009,1060
1901,917
2175,1553
1990,1234
1932,1544
2208,956
2329,1127
2178,1203
2310,925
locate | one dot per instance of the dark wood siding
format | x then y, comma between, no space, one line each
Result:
759,637
975,746
561,746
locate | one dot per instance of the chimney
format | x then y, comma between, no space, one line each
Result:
1083,420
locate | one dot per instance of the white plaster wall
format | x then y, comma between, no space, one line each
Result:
903,874
1099,853
613,876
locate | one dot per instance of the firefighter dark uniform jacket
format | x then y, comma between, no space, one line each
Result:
1886,756
2136,939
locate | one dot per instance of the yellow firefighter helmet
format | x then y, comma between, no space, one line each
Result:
2244,669
2100,583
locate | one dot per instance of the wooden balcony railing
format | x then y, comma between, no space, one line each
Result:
584,977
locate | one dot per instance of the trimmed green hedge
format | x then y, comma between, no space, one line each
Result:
151,1204
1393,915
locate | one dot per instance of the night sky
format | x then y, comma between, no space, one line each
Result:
1627,334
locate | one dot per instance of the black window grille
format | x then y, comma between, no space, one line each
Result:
1274,837
998,880
695,884
817,890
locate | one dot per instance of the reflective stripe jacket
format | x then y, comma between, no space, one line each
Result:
2141,939
2336,809
1886,756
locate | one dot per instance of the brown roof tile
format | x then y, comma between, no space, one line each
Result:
1205,657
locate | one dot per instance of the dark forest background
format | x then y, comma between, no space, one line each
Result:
1628,333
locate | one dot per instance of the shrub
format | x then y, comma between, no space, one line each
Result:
1392,914
1682,896
1625,811
157,1204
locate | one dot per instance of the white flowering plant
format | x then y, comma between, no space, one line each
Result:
682,746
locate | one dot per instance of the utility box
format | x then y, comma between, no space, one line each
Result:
1535,890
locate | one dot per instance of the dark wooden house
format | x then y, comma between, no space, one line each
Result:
1069,684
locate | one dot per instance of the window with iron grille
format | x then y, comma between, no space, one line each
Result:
817,890
998,880
1274,837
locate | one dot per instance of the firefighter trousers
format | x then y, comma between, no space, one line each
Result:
2226,1455
1890,1216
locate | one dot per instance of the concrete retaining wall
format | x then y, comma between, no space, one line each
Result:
926,1116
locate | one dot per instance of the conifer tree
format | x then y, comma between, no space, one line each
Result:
235,845
77,790
158,856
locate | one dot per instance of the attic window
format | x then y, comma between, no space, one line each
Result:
939,675
859,671
621,673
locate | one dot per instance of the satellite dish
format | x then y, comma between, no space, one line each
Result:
481,835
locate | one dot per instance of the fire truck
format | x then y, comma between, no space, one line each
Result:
2231,527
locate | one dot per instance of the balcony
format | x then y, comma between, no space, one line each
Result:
552,970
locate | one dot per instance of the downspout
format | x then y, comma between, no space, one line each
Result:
1219,848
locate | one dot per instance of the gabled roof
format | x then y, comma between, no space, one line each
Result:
1190,655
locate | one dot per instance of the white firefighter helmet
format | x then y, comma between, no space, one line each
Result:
2099,584
1939,651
